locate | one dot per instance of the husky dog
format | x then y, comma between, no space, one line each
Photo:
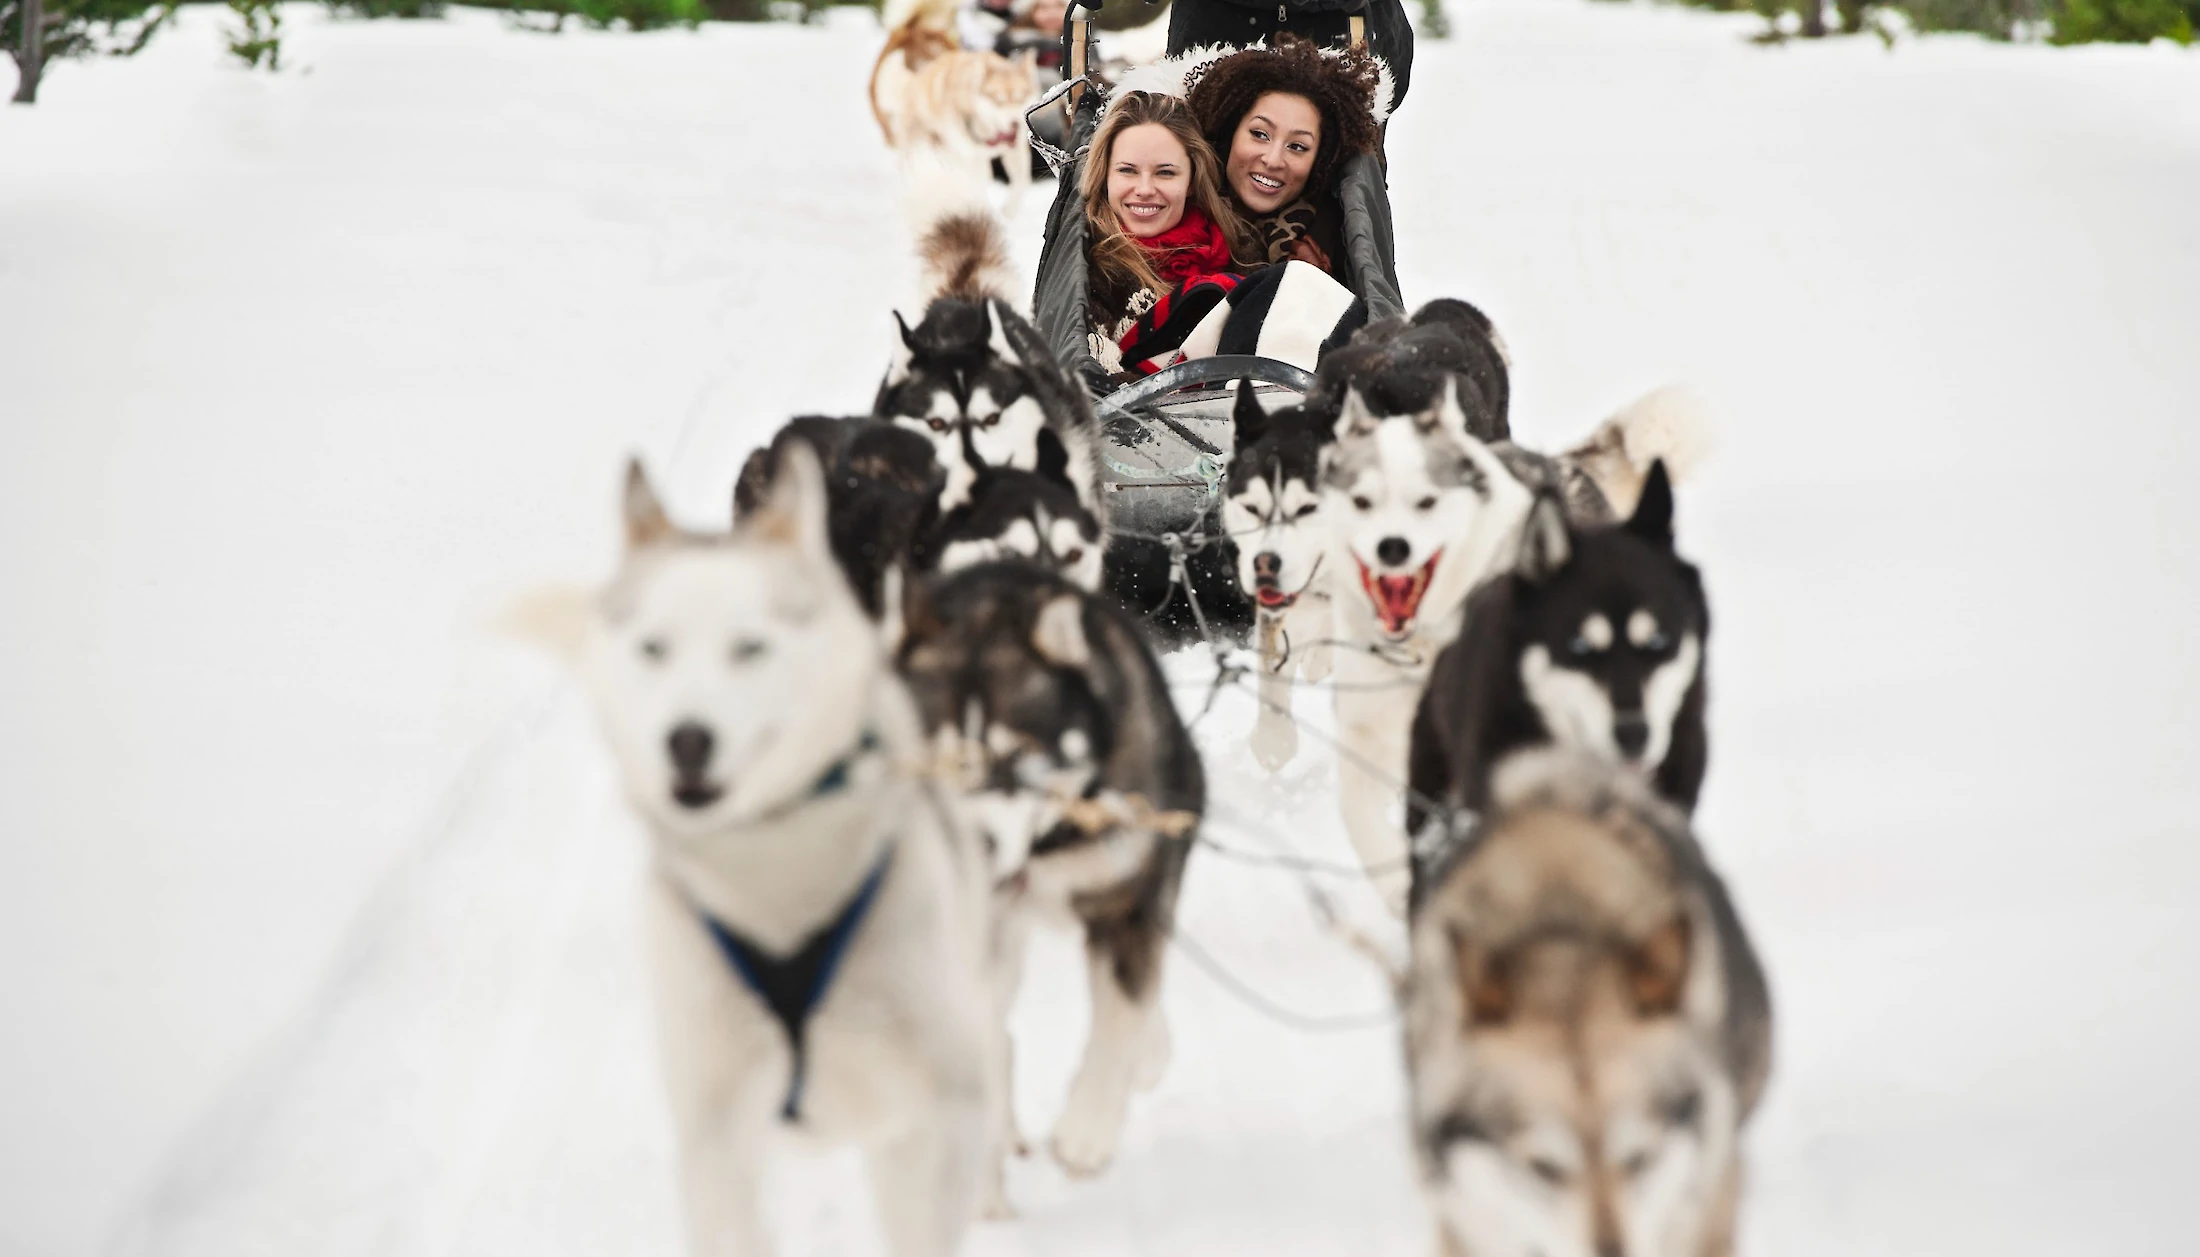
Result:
1273,493
1059,721
883,488
974,378
1020,515
1422,511
1587,1027
1594,641
1271,508
818,913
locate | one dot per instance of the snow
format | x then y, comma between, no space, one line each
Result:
315,900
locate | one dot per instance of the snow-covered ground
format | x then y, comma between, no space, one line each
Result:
313,899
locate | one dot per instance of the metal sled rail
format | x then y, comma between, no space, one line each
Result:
1213,370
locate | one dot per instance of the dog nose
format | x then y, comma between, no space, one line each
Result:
1267,565
1632,732
690,745
1393,550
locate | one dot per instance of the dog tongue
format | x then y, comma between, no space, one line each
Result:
1270,596
1397,597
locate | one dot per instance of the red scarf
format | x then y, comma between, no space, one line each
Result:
1192,248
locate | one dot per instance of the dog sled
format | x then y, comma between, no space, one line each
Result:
1167,438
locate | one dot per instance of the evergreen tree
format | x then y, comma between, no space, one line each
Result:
37,32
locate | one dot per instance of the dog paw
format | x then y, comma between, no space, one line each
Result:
1085,1138
1274,742
998,1207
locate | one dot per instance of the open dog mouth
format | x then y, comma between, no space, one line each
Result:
1397,599
1269,592
696,795
999,139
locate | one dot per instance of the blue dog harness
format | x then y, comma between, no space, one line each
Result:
793,986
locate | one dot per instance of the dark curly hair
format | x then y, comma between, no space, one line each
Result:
1342,87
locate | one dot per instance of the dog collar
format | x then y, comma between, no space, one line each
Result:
833,780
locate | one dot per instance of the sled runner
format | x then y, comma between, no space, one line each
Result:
1167,438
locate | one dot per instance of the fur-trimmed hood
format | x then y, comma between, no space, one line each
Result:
1175,75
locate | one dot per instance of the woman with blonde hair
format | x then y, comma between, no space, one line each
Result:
1165,239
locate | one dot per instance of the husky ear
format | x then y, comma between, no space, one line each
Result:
794,510
1485,982
1451,413
1249,417
1059,633
1653,517
1545,545
996,338
1657,969
1353,417
646,521
908,338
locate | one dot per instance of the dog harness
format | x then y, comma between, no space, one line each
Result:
793,986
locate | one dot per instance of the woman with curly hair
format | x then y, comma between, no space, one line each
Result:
1284,118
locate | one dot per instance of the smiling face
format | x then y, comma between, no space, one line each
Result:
1149,179
1273,151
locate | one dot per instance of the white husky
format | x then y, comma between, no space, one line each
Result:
1421,512
818,916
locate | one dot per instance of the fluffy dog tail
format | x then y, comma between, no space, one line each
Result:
1670,423
962,244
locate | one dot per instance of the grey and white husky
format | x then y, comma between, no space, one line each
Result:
818,912
1594,641
1422,511
1056,716
1587,1027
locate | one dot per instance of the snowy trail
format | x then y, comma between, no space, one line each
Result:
314,904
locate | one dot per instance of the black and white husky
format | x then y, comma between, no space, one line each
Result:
1594,641
975,378
810,887
1271,508
1020,515
1056,718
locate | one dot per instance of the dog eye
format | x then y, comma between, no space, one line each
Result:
1425,504
1304,511
1548,1170
1076,555
937,425
747,649
1635,1164
989,420
654,649
1656,642
1361,503
1581,646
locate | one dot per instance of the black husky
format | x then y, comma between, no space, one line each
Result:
1595,641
